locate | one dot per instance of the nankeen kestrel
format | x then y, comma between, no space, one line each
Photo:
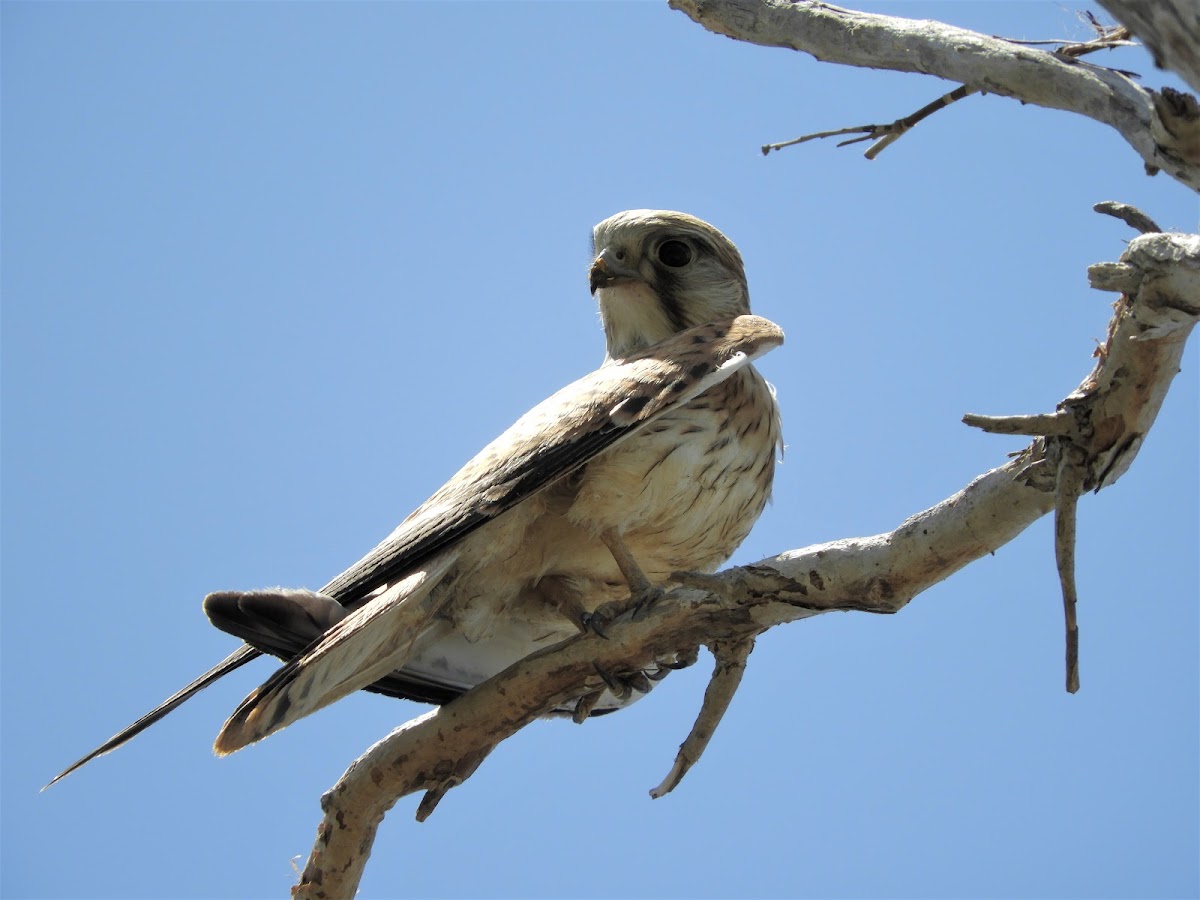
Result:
658,462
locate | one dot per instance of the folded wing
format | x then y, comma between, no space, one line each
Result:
547,443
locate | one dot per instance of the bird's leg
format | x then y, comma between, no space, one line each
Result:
642,594
638,583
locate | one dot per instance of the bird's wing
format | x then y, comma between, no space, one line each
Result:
547,443
560,434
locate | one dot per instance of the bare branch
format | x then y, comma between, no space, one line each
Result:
1107,416
977,61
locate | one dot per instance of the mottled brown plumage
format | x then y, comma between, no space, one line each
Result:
663,457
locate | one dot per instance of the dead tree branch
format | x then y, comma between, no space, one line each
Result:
1162,127
1094,434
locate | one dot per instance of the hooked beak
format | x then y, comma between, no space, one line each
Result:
608,269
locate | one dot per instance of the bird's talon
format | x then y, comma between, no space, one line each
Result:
584,707
623,685
639,682
616,686
682,660
604,615
594,623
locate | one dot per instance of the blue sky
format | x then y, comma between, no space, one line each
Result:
272,271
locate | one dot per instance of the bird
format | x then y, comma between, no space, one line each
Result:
658,462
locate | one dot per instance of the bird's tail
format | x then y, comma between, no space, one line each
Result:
235,660
369,644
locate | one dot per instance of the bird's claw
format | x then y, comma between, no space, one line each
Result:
622,685
682,660
618,688
584,707
598,620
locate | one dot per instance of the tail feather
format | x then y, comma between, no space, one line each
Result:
362,648
281,621
235,660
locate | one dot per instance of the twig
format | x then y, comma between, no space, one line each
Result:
887,134
1070,486
730,657
1107,37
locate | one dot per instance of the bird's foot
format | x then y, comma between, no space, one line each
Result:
639,603
622,684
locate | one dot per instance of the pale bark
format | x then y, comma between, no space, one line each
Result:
1161,128
1093,435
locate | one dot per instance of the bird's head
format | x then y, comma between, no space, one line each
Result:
657,272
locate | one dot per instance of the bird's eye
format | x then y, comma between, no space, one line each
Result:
675,254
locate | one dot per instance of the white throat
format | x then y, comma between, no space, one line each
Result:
633,318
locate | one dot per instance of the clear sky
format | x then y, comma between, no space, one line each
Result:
272,272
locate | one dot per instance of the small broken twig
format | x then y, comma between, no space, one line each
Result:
730,659
1040,425
1130,215
1107,37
